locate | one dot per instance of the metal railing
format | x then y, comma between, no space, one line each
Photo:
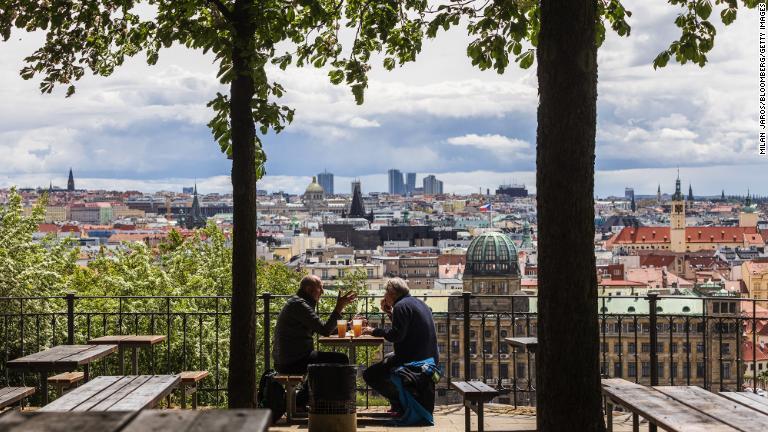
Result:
704,340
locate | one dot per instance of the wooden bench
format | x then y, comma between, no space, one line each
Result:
189,380
11,395
290,382
65,380
689,409
475,394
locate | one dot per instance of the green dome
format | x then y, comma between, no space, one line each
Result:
492,254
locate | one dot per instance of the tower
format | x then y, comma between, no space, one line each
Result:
195,219
71,182
357,209
748,216
658,195
677,220
690,193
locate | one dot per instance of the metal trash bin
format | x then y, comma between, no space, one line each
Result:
332,397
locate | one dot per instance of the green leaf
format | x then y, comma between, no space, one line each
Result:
661,60
526,59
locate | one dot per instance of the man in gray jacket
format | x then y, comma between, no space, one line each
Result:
293,349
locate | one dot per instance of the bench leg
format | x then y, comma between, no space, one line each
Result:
467,426
480,420
635,422
183,396
44,387
609,416
290,398
194,397
651,427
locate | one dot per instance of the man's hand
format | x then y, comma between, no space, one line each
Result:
367,330
387,308
342,301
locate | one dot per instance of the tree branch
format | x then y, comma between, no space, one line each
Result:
222,8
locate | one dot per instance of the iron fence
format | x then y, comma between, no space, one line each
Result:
713,342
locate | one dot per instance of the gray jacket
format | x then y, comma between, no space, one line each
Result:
296,325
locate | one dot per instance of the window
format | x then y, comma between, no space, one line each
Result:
441,328
725,370
341,273
673,347
504,371
370,273
454,370
660,370
631,370
487,334
673,370
487,348
686,371
454,329
700,347
725,348
454,347
473,347
441,348
646,369
503,334
472,333
473,371
603,368
617,369
603,346
521,370
660,347
686,347
631,348
325,274
699,369
617,347
488,371
645,347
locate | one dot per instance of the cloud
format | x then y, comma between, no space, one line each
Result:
498,144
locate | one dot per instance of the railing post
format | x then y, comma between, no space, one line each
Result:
267,326
652,299
70,297
466,296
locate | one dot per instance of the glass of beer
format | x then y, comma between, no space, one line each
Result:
357,327
342,327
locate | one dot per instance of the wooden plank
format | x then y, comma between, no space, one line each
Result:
107,340
34,361
5,390
485,388
162,421
114,394
66,378
67,422
195,376
660,409
143,340
755,397
232,421
747,401
525,343
14,394
465,387
148,394
94,352
9,420
81,394
725,410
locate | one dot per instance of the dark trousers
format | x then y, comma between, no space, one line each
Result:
300,368
377,376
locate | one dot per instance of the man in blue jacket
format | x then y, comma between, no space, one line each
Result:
412,333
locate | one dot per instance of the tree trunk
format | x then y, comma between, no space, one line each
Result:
568,377
241,385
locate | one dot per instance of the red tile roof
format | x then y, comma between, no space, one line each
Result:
659,234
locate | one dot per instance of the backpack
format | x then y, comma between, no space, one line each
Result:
271,395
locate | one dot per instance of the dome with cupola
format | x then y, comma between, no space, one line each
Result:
492,254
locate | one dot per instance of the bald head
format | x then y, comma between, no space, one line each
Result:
312,286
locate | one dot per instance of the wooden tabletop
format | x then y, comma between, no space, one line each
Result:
116,393
129,340
364,340
147,420
526,343
690,408
61,357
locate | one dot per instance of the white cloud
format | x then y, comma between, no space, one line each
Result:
499,145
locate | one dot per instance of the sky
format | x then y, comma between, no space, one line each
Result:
144,128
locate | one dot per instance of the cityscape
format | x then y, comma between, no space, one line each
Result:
347,215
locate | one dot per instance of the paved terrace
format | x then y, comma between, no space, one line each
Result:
450,418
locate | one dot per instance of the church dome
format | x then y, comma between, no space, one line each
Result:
492,254
314,187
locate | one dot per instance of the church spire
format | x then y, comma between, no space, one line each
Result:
71,182
678,196
690,193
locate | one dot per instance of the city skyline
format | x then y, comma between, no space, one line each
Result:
468,127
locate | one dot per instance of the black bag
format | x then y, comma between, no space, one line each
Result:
271,395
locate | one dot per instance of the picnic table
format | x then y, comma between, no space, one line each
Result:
61,358
527,344
351,342
134,342
686,408
148,420
116,393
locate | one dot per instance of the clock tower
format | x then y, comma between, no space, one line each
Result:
677,220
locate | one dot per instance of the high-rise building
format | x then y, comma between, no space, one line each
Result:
629,194
512,190
410,183
432,186
326,181
71,182
396,184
